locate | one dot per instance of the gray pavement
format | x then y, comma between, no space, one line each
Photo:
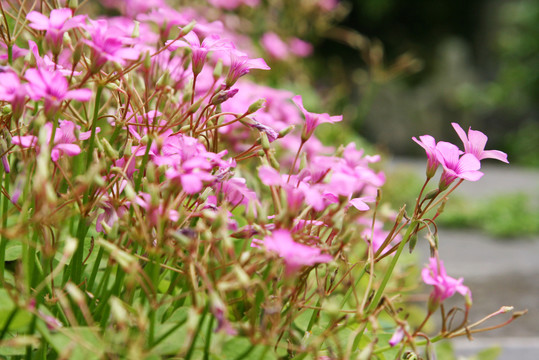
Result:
498,271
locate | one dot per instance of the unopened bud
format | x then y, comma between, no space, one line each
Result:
187,28
286,131
130,192
73,4
136,30
257,105
264,141
273,161
147,60
77,52
6,109
432,194
117,310
69,247
195,106
412,242
76,294
223,96
109,150
164,80
112,86
218,70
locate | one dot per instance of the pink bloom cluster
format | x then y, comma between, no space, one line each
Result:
455,163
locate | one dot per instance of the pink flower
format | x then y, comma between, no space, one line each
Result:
53,88
475,143
241,64
12,91
397,337
108,44
312,120
64,139
272,43
46,63
428,143
295,255
60,21
232,4
300,48
444,286
201,50
455,166
113,207
16,52
155,212
236,192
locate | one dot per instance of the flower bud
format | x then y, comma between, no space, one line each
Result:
286,131
187,28
264,141
223,96
257,105
109,150
6,109
218,70
136,29
273,161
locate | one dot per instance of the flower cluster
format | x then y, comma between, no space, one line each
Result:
150,183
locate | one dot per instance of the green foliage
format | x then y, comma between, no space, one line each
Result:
509,215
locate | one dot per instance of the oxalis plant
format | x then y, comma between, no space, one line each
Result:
155,203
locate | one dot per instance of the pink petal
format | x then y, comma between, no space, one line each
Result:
477,141
191,183
461,133
495,154
68,149
359,204
79,94
468,162
25,141
269,176
59,17
38,21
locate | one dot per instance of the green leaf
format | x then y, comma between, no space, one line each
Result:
75,343
444,350
13,251
489,354
22,317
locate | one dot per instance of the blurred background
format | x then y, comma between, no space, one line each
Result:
414,67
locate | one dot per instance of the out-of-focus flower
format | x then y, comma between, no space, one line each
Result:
232,4
475,143
312,120
155,212
295,255
199,49
59,21
444,286
455,166
397,337
12,91
64,139
272,43
300,47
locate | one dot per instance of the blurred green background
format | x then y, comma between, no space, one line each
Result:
411,68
